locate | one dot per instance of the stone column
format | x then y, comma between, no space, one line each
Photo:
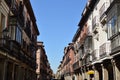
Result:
116,70
76,76
13,73
98,71
96,74
88,76
80,76
105,72
2,69
113,64
85,73
83,76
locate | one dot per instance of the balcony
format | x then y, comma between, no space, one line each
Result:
88,59
27,29
29,61
12,21
17,11
95,24
21,17
89,30
4,41
76,65
14,9
95,55
8,2
88,50
105,49
15,48
32,63
22,54
115,44
34,40
102,12
78,46
13,6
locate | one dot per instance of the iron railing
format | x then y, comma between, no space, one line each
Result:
95,22
95,54
76,65
105,49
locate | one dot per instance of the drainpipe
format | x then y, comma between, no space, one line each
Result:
102,71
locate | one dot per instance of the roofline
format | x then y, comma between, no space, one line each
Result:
85,14
32,16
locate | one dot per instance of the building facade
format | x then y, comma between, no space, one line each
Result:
96,42
44,71
65,69
18,40
99,53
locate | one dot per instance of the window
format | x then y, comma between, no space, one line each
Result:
12,32
2,25
34,54
3,21
18,35
112,26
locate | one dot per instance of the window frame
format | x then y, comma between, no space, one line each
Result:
112,26
18,34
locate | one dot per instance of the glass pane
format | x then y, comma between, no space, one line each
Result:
12,31
112,26
18,35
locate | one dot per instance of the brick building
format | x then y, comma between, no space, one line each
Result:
18,40
44,71
97,42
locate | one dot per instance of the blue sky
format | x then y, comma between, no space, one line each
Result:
57,21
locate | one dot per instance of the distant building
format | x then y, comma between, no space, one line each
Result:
44,71
65,70
18,37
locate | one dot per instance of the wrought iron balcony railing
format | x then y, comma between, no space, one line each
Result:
115,44
76,65
8,2
105,49
13,6
95,22
27,29
34,40
15,50
4,41
88,59
103,9
95,54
